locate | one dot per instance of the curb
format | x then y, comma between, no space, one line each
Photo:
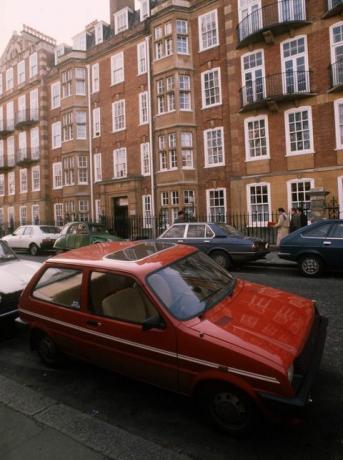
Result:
102,437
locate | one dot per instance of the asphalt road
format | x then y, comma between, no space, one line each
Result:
172,421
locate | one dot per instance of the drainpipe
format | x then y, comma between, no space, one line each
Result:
90,142
151,143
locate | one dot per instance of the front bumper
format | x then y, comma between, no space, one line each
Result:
306,367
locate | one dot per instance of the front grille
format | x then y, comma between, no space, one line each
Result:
9,302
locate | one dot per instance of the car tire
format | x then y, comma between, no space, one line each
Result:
222,259
47,351
230,409
311,265
33,249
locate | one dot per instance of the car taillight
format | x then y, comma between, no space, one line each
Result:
254,247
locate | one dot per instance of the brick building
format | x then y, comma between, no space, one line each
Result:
207,105
285,77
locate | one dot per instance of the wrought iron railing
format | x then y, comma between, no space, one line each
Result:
27,155
276,86
334,4
26,116
336,74
282,12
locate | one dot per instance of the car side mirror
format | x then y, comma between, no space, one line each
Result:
154,322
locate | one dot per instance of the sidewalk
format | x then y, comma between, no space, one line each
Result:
35,427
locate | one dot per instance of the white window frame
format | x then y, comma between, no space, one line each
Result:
116,104
201,42
248,120
97,167
340,195
57,172
33,170
262,223
11,183
33,64
203,95
34,143
147,210
35,212
206,132
82,166
283,65
9,79
10,115
95,78
332,44
58,213
1,84
98,33
141,58
123,13
143,108
208,207
81,124
56,126
339,138
55,89
22,215
117,152
2,184
21,72
145,159
287,132
23,180
96,122
117,69
296,181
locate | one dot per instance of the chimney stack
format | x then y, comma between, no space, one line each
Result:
116,5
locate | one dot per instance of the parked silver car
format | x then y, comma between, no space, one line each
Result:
33,238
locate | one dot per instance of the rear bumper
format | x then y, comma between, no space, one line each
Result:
303,382
245,257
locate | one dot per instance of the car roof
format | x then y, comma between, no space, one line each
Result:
134,256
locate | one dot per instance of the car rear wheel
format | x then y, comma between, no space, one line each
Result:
311,265
33,249
222,259
229,409
48,351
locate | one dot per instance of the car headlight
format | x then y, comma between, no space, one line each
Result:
290,373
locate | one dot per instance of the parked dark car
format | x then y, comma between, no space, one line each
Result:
222,242
316,247
77,234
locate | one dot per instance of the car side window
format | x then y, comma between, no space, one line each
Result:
72,229
28,231
19,231
196,231
209,232
175,231
61,286
337,231
119,297
318,232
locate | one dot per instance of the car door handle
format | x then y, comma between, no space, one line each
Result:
180,241
93,322
327,243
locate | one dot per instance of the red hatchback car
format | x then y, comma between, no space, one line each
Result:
169,315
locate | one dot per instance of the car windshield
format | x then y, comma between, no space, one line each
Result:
95,228
229,229
191,285
6,252
49,229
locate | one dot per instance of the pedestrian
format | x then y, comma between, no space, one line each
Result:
295,220
302,217
282,225
180,216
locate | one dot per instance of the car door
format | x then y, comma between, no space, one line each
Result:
16,238
332,246
200,236
117,308
314,240
27,237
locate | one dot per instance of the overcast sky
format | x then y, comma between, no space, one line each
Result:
61,19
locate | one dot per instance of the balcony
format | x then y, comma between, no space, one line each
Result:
336,76
27,156
6,130
25,118
274,19
6,165
333,7
266,91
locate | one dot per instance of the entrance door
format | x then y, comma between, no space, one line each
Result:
121,216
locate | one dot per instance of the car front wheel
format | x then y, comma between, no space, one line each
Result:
311,265
229,409
33,249
222,259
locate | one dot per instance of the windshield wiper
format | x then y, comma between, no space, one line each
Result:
225,291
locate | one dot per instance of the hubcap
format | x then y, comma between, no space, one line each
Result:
229,409
310,266
220,259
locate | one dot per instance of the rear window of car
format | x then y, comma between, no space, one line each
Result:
61,286
318,232
48,229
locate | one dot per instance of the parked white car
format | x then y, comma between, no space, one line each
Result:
14,276
33,238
